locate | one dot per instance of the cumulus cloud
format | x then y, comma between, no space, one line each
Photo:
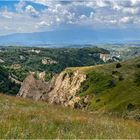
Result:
94,14
131,10
43,23
20,6
127,20
31,11
6,14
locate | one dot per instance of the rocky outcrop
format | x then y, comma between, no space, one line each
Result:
60,90
104,57
32,88
48,61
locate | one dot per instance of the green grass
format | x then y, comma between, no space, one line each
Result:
22,119
109,93
94,84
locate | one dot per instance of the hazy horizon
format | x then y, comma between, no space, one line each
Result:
67,21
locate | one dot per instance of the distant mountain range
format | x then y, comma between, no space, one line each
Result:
75,36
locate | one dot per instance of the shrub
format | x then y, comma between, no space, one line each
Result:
65,74
98,100
118,65
115,72
138,65
121,78
112,83
130,107
36,76
48,76
84,87
137,78
70,74
77,106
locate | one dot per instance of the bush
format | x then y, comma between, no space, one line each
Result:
130,107
36,76
137,79
77,106
138,65
112,83
98,100
118,65
115,72
48,77
121,78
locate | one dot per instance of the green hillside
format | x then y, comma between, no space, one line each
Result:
21,60
6,84
25,119
113,87
31,58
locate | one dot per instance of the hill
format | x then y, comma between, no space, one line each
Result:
113,87
26,119
72,36
22,60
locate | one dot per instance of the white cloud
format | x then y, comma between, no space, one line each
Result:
101,3
20,6
91,15
131,10
31,11
6,14
101,13
126,20
42,24
135,2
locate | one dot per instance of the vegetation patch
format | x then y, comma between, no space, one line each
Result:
25,119
130,107
31,60
137,78
95,83
6,85
118,65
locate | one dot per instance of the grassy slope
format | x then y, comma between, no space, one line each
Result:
115,98
21,118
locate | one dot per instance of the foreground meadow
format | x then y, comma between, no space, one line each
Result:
21,118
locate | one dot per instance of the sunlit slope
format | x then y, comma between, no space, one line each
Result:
112,87
27,119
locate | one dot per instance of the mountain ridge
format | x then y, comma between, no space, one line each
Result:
78,36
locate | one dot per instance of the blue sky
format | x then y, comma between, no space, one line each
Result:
31,16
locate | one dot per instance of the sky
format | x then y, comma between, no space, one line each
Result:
20,16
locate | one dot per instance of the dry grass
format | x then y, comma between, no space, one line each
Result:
21,118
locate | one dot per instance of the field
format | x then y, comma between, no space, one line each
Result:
21,118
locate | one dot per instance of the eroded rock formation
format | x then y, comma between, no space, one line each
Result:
61,89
